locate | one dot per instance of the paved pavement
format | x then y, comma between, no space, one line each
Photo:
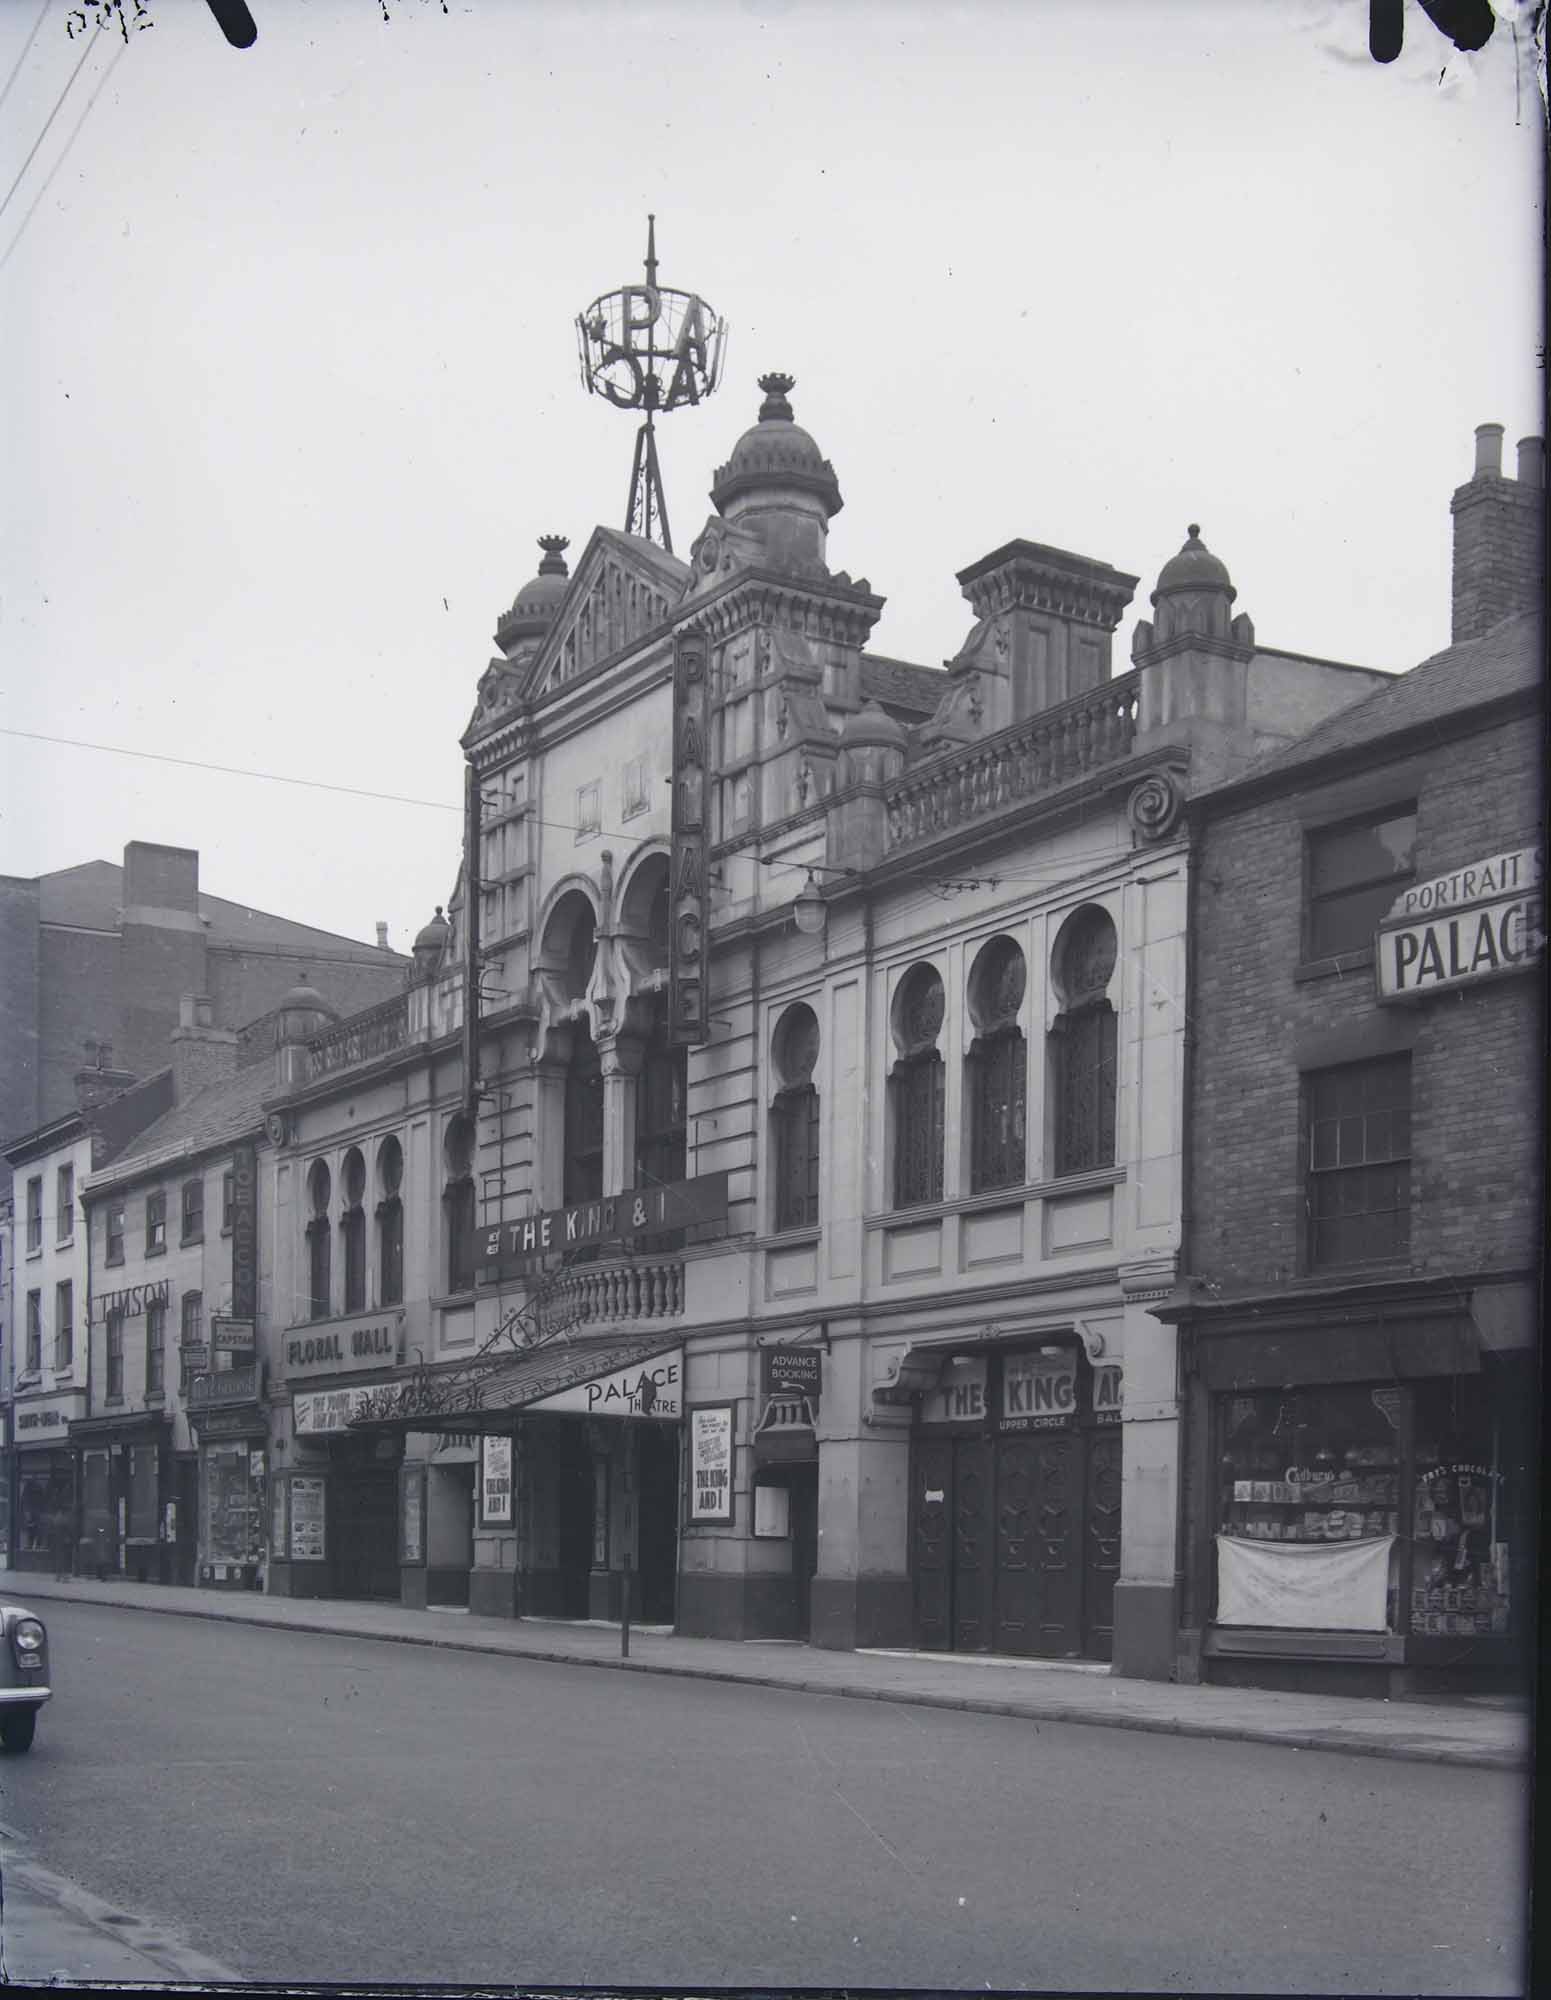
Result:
1488,1733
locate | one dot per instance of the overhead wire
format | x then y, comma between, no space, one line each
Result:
1057,865
86,49
26,49
64,153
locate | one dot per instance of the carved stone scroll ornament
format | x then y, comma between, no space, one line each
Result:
1154,806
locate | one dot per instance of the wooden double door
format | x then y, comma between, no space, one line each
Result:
1016,1542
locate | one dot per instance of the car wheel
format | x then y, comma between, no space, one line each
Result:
18,1728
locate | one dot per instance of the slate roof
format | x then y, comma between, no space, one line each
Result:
896,684
219,1115
90,896
1441,692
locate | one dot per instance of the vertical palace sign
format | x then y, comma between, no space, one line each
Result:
689,902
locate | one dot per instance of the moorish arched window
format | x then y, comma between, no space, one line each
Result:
916,1087
794,1118
1083,1043
458,1202
996,1068
390,1223
319,1242
352,1230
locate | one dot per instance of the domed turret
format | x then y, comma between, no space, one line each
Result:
430,943
1194,568
778,484
873,744
535,605
302,1014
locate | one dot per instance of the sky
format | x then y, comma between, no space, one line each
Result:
288,384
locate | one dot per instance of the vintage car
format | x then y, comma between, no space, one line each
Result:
23,1675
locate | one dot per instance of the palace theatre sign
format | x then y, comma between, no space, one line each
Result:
1480,922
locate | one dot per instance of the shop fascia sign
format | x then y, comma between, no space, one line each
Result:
324,1412
620,1393
36,1422
344,1348
1039,1391
510,1248
1480,922
132,1300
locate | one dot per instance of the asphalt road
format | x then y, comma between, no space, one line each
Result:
308,1808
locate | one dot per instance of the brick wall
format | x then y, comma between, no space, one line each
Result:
245,984
19,975
156,967
79,973
1477,1056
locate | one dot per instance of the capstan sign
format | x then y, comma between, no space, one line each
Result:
1479,923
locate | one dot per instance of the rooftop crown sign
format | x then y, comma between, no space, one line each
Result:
649,348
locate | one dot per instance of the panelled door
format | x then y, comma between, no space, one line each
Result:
1016,1542
1101,1530
931,1503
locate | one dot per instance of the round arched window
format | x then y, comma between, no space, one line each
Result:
797,1046
919,1006
319,1187
354,1177
1083,961
996,985
458,1148
390,1167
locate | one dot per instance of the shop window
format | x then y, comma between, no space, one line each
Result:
232,1504
794,1119
35,1213
1307,1467
996,1069
1083,1044
34,1332
390,1223
352,1228
64,1324
155,1348
114,1386
1358,1193
319,1242
155,1222
193,1211
228,1200
113,1225
1355,871
916,1088
458,1203
64,1221
1472,1509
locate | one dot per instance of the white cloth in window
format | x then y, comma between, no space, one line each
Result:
1312,1586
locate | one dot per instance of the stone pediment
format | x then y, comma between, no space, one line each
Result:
623,588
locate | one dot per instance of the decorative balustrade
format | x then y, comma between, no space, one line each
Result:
1038,755
226,1385
362,1039
637,1290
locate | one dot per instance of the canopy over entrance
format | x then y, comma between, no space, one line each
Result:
641,1376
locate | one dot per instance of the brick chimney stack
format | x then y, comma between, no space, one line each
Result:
1499,536
201,1052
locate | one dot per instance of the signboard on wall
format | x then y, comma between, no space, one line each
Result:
689,903
47,1419
344,1347
308,1519
508,1249
796,1371
326,1411
1480,923
245,1232
1039,1391
652,1388
495,1482
131,1300
710,1462
960,1395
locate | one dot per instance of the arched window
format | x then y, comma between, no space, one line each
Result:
390,1223
458,1203
1083,1043
661,1127
352,1229
319,1242
997,1068
916,1088
794,1119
